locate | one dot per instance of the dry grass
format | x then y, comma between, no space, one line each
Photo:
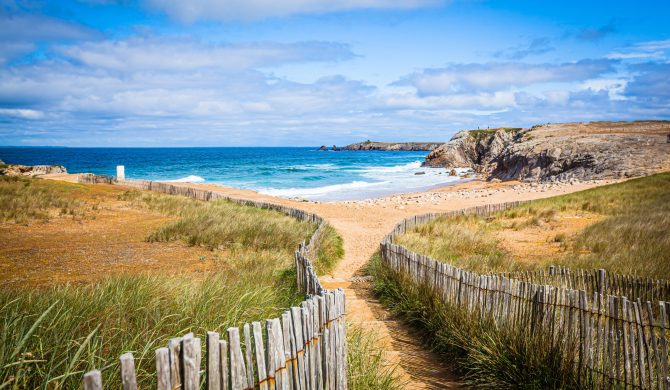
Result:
23,200
50,335
627,230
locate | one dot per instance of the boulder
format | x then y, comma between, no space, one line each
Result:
459,152
323,147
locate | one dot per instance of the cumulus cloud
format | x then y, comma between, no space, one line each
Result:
459,78
189,11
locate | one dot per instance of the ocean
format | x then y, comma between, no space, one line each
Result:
282,171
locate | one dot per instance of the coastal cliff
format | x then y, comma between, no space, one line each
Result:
394,146
564,151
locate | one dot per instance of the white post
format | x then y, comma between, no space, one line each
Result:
120,172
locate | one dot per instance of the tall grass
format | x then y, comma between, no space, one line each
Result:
463,241
221,224
367,369
50,336
330,250
24,199
486,355
632,234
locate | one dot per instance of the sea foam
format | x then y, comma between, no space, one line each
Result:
188,179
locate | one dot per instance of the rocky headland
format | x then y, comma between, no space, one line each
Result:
30,170
394,146
560,152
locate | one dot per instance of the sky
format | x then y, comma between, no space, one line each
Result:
313,72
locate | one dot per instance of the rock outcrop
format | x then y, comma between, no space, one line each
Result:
30,170
394,146
566,151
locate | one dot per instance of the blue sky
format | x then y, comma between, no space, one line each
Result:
312,72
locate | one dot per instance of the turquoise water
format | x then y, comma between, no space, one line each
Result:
290,172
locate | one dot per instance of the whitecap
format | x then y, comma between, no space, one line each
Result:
188,179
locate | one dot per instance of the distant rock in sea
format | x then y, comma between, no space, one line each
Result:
335,148
30,170
394,146
564,151
323,147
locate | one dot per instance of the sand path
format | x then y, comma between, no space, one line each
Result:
362,225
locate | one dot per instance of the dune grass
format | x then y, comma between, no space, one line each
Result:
486,355
221,224
367,369
49,337
631,234
23,200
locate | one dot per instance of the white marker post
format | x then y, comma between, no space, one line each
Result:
120,172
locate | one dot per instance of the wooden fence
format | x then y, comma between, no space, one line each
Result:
608,338
305,349
89,178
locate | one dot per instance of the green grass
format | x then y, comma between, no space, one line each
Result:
632,234
23,200
330,250
49,337
483,134
486,355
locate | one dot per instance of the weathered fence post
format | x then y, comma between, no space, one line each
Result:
93,380
128,380
163,369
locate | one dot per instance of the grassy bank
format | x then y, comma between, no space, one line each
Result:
50,336
621,227
486,355
23,200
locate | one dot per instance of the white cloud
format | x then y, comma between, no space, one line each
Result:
460,78
459,102
189,11
166,54
38,27
642,50
22,113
